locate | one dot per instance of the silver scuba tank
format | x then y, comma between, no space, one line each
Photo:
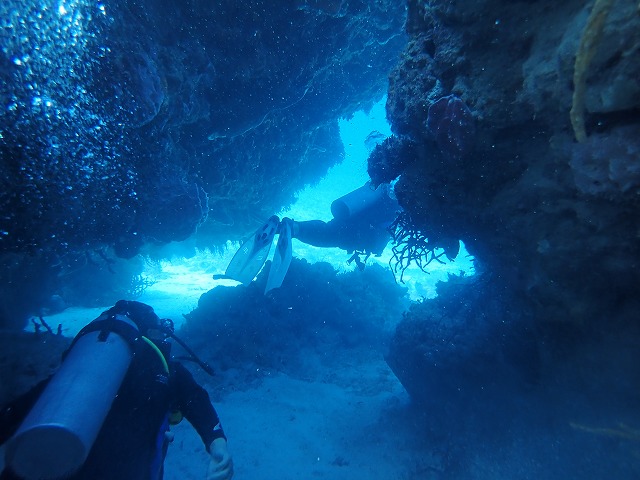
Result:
56,436
356,201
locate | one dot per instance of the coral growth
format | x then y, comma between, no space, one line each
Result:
607,165
390,158
451,123
315,313
414,76
411,246
464,347
137,99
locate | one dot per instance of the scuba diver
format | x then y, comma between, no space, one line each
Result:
360,225
106,413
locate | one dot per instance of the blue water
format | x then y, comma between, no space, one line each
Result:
142,142
314,203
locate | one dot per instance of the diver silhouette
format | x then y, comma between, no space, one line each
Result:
106,413
360,225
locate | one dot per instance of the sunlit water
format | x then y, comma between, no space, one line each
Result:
181,281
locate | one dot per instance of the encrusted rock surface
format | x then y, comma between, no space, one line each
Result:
552,222
129,123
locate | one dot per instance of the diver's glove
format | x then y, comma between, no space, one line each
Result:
221,465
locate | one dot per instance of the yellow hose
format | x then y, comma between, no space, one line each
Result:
157,350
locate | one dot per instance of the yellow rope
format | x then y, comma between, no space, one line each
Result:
586,51
623,431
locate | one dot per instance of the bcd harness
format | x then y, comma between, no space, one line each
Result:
127,329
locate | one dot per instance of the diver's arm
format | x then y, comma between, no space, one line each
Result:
194,403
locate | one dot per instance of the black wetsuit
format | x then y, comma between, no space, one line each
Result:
364,231
132,444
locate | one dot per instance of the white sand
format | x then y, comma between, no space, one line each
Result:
339,422
287,428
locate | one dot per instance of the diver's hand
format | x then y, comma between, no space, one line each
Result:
221,465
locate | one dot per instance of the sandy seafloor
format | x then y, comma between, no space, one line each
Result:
338,427
344,415
346,418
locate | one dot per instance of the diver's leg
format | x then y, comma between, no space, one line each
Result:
317,233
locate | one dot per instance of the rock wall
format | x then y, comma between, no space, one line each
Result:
125,123
555,217
552,217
